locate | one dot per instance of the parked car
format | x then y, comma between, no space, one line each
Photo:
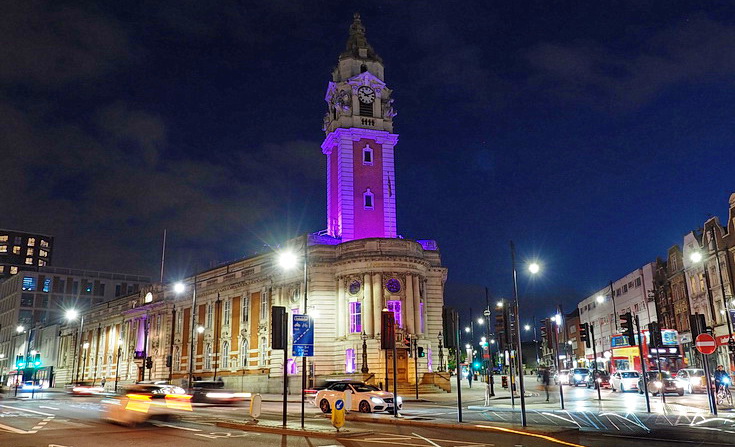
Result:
214,392
86,389
692,380
579,376
601,377
626,380
660,382
365,398
142,402
562,377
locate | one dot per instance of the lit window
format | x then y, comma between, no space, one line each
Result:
355,317
245,308
367,156
16,250
244,353
29,252
88,289
208,357
44,243
368,199
29,283
31,241
42,253
225,355
4,238
3,248
41,262
177,359
209,316
2,268
47,285
29,261
13,270
227,312
395,307
350,361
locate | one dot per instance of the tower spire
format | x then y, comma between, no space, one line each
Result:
357,44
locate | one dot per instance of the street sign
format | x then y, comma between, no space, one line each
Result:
338,414
486,312
303,336
705,344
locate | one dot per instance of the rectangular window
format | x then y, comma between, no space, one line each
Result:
367,156
31,241
16,250
4,238
42,301
88,288
29,283
355,317
26,300
13,270
245,308
43,253
637,282
227,312
2,268
264,308
44,243
29,261
395,307
625,288
209,313
350,361
3,248
29,252
47,285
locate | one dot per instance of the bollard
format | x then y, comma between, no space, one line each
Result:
504,380
255,405
338,414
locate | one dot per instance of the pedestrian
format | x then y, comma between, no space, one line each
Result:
545,380
104,381
469,378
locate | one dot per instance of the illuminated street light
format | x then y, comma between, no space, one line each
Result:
695,256
467,329
600,299
179,288
287,260
200,329
480,320
492,341
533,268
20,329
500,304
527,327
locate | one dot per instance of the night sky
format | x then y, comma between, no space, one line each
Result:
595,135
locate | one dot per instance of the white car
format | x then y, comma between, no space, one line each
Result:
141,402
625,381
365,398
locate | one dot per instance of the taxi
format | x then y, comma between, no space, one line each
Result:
142,402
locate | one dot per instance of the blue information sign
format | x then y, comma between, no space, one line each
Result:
303,336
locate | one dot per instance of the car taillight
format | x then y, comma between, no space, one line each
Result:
178,402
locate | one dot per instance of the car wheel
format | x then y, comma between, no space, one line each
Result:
364,407
680,392
324,406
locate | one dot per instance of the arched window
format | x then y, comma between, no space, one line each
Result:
225,355
244,347
208,357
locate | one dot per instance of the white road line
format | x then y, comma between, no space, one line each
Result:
27,410
15,430
176,426
427,440
50,408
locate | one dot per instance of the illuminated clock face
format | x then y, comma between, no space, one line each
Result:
366,95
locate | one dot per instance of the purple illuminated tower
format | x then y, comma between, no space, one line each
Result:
359,143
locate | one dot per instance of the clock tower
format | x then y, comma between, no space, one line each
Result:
359,144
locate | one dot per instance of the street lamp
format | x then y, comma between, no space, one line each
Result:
71,315
117,366
84,359
440,337
533,268
364,368
467,329
179,288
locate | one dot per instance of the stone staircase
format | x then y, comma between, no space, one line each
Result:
408,390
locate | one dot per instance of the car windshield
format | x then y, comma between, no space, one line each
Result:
581,371
363,388
654,374
629,375
564,372
696,373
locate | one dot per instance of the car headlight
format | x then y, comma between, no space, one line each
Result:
658,383
376,400
599,380
577,377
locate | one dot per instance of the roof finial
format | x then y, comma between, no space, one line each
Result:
357,41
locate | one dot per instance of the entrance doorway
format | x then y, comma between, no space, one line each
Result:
401,365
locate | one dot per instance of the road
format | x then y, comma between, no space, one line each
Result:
61,420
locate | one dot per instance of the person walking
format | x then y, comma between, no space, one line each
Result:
545,381
469,378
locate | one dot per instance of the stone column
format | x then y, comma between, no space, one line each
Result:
377,299
407,309
417,304
341,317
367,305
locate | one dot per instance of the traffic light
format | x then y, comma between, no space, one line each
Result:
387,330
37,360
149,362
279,321
20,361
655,338
626,322
584,334
420,351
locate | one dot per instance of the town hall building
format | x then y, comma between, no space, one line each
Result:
355,268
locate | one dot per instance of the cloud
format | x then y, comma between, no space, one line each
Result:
45,43
693,50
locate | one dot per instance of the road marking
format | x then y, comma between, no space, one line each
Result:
50,408
176,426
15,430
427,440
27,410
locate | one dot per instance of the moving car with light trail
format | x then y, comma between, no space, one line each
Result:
579,376
213,392
142,402
365,398
86,389
692,380
660,382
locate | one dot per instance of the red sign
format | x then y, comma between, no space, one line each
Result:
722,340
705,343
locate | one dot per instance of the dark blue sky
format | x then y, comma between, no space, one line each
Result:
594,135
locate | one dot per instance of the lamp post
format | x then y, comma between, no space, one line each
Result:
70,316
364,368
180,288
533,268
84,359
117,366
440,337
